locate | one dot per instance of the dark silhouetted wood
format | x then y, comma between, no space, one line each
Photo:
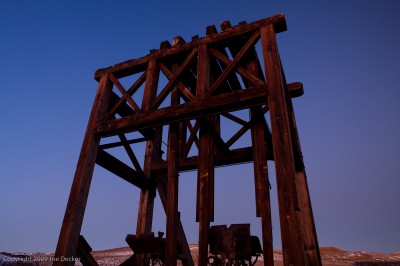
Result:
237,156
84,254
134,66
234,63
172,184
227,102
115,166
164,93
73,218
118,144
311,246
125,95
261,179
197,108
180,233
130,91
152,153
291,234
205,160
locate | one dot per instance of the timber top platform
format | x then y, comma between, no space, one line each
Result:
132,66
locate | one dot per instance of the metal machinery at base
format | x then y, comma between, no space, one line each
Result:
207,80
233,245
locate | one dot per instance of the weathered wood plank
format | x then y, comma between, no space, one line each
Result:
183,130
234,118
197,108
172,192
137,65
218,141
152,153
163,94
84,254
310,240
206,160
130,91
181,237
119,144
125,95
172,184
291,234
183,89
258,135
261,182
115,166
295,89
69,235
125,110
227,102
239,134
254,80
192,138
235,46
311,246
238,156
232,83
254,38
131,154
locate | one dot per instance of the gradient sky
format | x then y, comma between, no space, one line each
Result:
346,53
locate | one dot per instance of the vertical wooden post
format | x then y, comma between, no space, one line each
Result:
180,234
205,159
261,179
291,234
311,246
74,213
172,184
310,240
261,183
152,153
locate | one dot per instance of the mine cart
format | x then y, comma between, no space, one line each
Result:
233,245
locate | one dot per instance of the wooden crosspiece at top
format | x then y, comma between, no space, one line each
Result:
207,80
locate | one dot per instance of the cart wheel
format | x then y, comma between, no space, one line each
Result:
253,262
238,262
214,261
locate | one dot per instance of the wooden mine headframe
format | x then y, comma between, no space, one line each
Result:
208,79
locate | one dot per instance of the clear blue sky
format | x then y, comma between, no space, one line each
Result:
346,53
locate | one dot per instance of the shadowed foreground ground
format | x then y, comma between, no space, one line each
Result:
330,256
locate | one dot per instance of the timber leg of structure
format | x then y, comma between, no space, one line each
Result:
205,161
69,236
263,205
297,223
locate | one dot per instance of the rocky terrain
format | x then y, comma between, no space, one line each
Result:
331,256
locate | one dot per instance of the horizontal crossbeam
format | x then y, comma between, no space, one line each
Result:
194,109
238,156
222,103
137,65
118,144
